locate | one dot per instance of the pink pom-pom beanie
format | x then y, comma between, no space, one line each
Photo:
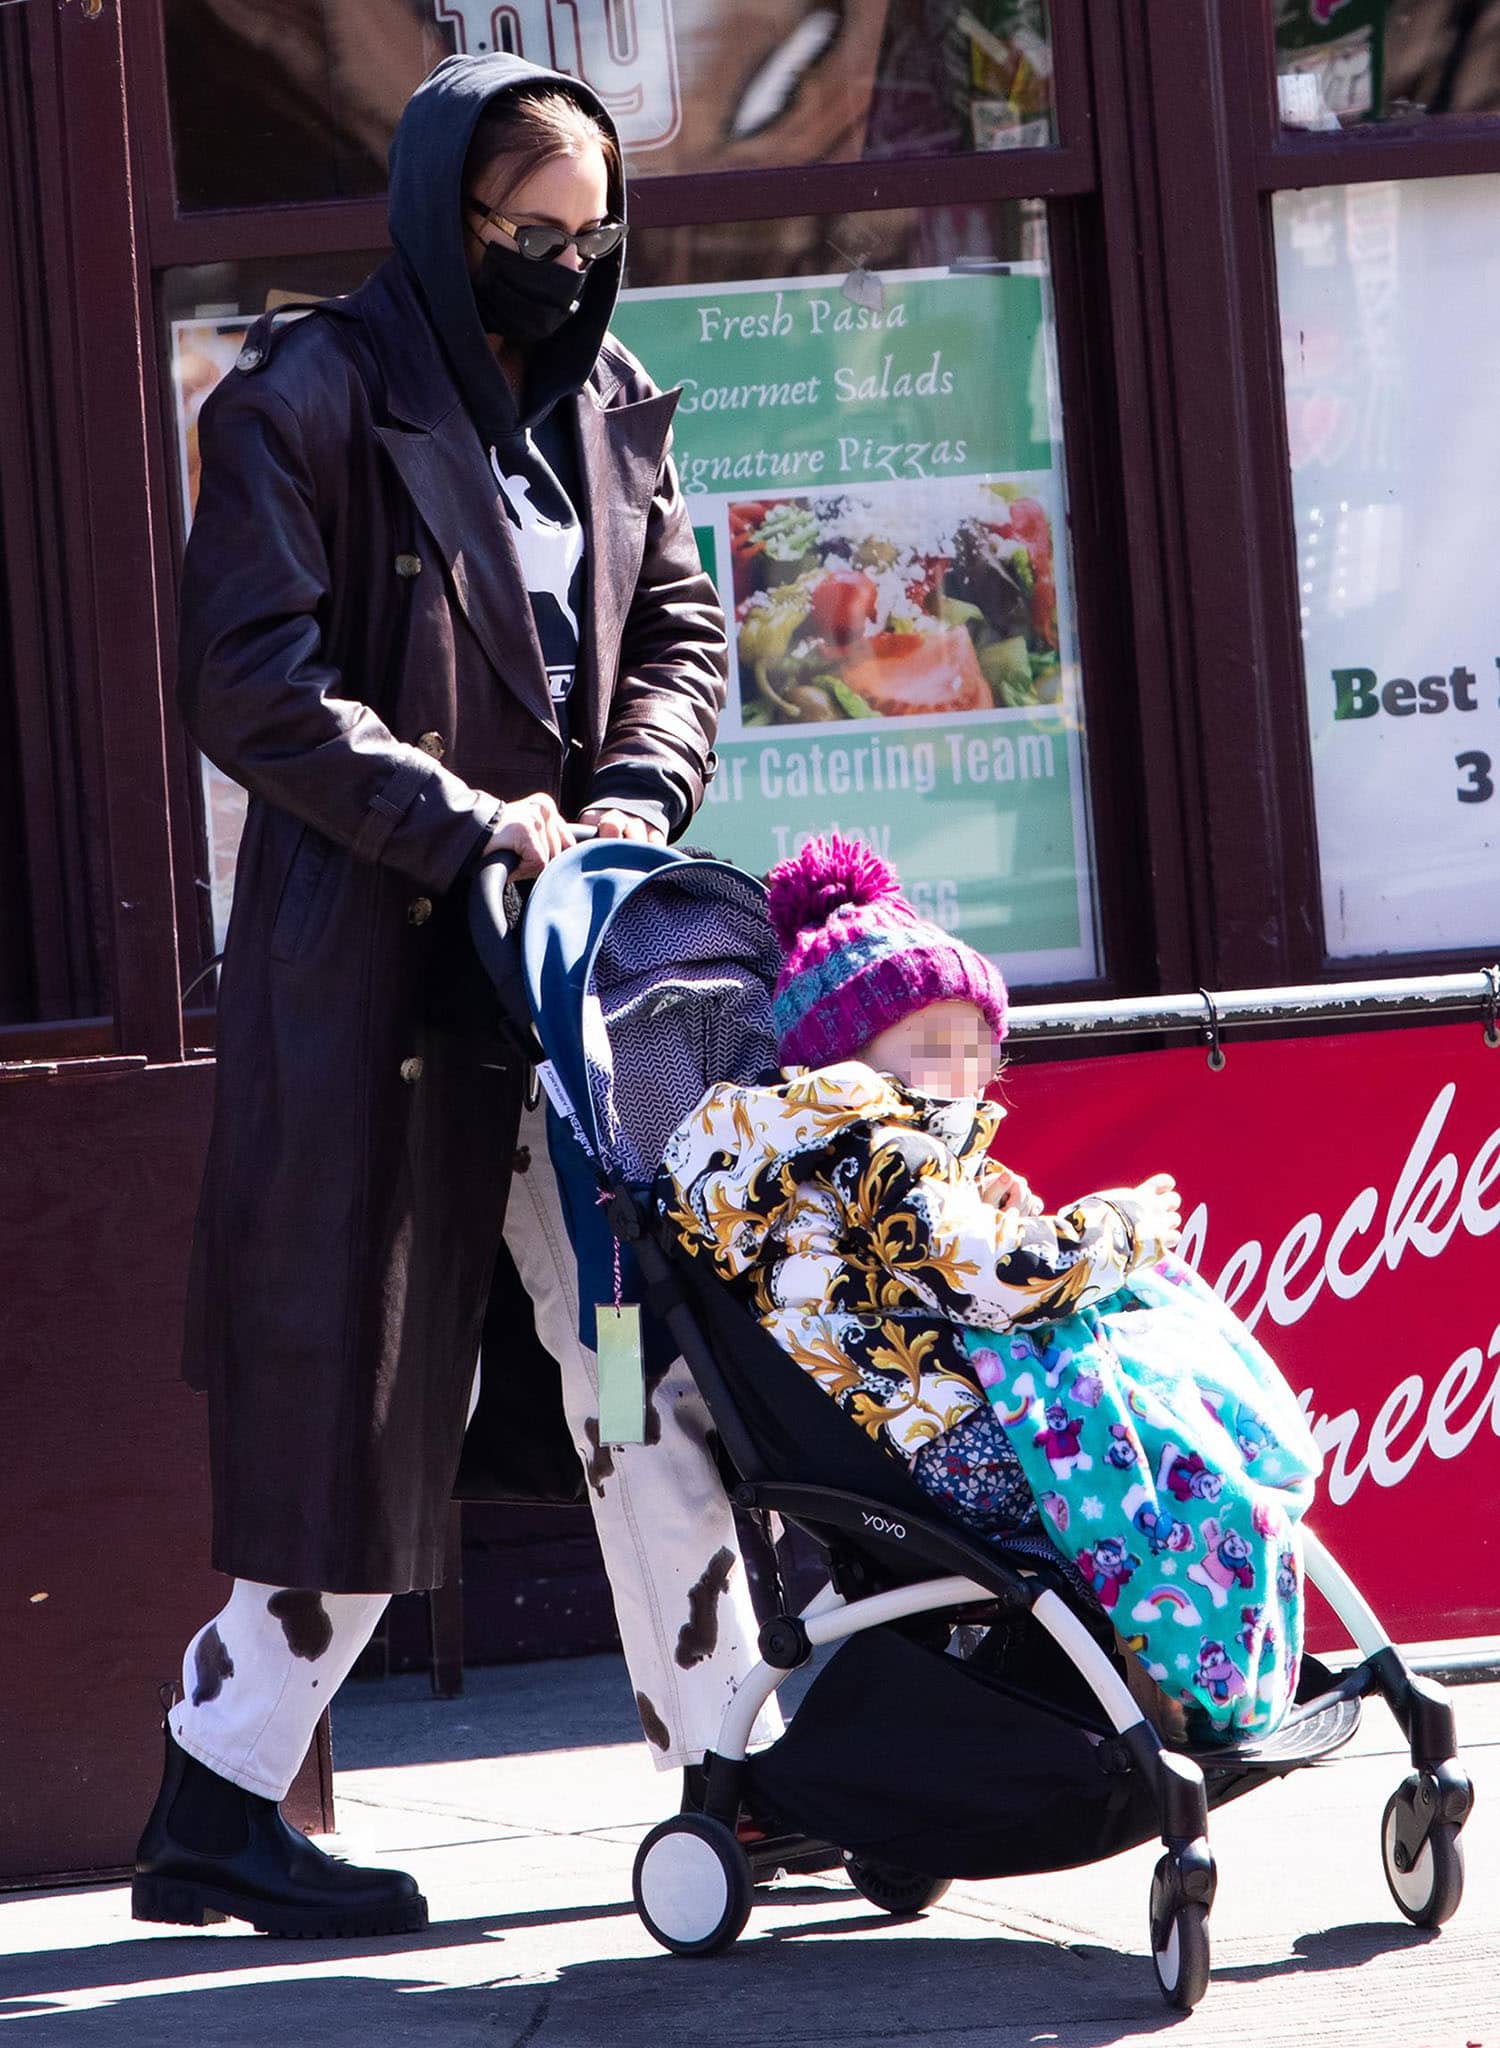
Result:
858,959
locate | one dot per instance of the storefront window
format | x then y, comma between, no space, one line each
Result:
870,438
1388,320
873,454
206,310
17,981
297,100
1346,61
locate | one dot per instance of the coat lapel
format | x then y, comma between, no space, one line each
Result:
620,451
451,483
439,459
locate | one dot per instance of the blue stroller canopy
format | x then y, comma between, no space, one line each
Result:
649,975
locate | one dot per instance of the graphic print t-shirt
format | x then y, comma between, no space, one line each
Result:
548,540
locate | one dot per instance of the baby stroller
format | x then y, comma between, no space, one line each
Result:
642,977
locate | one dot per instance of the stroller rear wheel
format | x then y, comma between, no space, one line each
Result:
1427,1885
692,1885
1179,1939
895,1891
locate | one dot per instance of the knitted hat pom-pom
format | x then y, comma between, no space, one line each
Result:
827,875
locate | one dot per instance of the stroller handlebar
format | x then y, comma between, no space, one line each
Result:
494,941
506,857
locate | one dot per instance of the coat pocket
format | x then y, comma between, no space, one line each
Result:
299,892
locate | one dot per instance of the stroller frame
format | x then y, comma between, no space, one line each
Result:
892,1561
940,1571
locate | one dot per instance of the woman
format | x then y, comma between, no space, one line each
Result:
441,595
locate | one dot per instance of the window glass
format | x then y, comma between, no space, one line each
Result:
281,100
206,310
1388,324
1347,61
17,980
870,440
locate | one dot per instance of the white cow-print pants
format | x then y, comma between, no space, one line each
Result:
257,1677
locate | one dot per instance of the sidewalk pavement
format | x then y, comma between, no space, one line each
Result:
518,1808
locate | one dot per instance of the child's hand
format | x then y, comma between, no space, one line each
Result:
1160,1210
1003,1189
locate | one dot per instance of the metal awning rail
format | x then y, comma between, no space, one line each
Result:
1329,1002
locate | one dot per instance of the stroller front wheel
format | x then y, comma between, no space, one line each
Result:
1179,1940
1426,1886
898,1892
692,1885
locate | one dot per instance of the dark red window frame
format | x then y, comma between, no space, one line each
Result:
1159,191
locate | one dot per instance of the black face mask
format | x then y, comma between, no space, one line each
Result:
522,300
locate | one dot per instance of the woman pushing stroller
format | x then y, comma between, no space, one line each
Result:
1040,1374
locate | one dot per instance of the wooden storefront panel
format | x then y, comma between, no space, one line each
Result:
103,1460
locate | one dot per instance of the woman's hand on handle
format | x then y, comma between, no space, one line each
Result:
612,824
534,830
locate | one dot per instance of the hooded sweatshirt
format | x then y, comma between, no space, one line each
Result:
531,445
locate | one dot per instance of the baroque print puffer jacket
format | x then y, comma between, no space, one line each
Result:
847,1212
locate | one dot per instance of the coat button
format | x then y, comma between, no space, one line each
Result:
411,1070
433,743
408,565
249,359
419,910
521,1159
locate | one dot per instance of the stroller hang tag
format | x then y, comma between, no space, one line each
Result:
622,1379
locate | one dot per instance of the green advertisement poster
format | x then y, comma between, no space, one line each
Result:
874,470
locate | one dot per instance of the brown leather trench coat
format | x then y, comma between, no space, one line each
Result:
358,650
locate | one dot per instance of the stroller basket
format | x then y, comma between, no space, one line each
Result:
1008,1788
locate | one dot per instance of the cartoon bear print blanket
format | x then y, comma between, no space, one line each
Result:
1171,1464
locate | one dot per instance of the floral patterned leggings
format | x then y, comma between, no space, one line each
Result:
973,1472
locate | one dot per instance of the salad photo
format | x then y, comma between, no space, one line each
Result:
867,605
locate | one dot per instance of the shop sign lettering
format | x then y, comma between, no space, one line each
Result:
1343,1199
1360,693
1429,1201
625,50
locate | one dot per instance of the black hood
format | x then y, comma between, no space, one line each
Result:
426,189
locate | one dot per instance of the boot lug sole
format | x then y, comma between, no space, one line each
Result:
179,1904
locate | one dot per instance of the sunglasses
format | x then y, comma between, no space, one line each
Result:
541,243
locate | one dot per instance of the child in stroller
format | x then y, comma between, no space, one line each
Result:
643,984
1036,1373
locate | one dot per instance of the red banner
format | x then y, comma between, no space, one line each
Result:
1342,1195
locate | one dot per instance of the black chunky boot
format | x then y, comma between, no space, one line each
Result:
212,1851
